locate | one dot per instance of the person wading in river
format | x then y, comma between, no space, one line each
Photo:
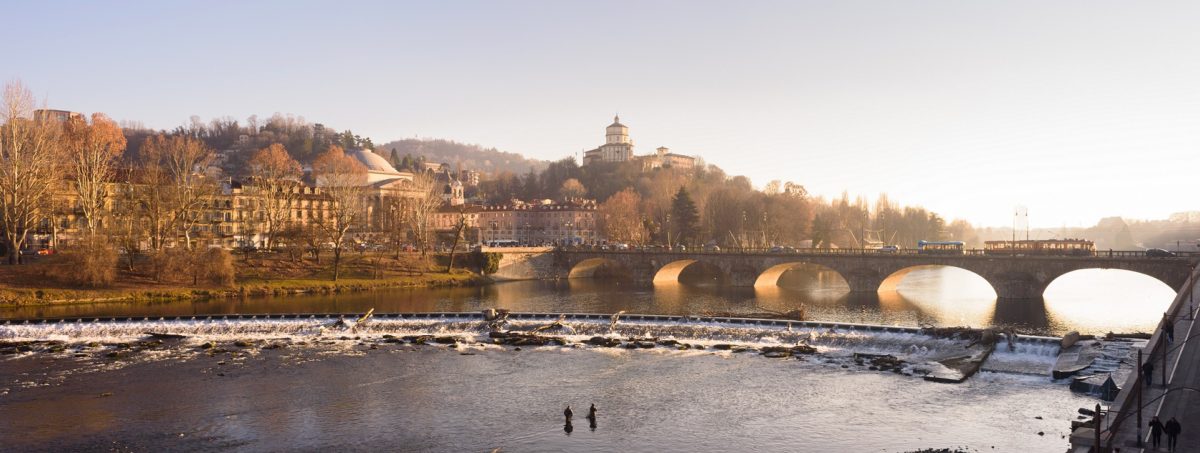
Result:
1172,429
1156,430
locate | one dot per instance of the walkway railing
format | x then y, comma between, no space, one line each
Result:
860,252
1125,406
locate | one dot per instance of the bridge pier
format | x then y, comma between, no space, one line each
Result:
863,281
1017,286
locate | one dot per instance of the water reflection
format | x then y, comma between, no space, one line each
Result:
1086,301
1107,300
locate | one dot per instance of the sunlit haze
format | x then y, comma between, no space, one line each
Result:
1078,110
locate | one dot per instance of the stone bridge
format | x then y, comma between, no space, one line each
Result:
1012,277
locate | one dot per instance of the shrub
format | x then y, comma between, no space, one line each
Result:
218,267
214,265
487,262
93,265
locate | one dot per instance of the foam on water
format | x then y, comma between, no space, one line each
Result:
1031,355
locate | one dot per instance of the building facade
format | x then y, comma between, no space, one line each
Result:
572,221
618,147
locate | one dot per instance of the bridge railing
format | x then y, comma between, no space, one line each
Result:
857,251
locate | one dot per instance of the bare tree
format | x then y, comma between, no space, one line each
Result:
423,206
275,178
29,159
342,178
92,152
394,221
175,188
459,226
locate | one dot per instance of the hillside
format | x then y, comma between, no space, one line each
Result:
475,157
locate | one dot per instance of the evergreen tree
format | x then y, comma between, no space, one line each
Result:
685,218
395,158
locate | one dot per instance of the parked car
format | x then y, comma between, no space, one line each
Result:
1159,253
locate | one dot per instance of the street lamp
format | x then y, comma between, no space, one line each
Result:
568,225
492,225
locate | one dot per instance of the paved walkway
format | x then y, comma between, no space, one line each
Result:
1180,397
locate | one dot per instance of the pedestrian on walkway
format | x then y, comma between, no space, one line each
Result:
1148,372
1156,430
1169,329
1172,429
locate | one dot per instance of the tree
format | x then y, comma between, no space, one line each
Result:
422,208
622,221
342,178
275,178
685,218
29,159
92,152
459,226
572,188
174,189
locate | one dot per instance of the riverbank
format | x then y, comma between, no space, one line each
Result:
256,276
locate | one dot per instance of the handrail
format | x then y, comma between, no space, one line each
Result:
1121,405
871,252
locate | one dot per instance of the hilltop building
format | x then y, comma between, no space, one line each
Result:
618,147
60,116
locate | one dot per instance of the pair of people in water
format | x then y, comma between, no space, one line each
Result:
591,416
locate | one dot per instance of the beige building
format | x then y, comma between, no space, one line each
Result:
541,223
664,158
618,147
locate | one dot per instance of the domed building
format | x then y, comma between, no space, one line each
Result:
617,147
378,168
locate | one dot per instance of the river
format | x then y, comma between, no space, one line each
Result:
297,385
1090,301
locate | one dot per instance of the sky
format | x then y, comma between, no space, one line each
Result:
1077,110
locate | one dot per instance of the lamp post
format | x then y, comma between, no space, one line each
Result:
492,226
567,225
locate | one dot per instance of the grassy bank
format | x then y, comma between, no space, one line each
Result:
256,275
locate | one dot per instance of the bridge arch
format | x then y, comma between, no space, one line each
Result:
1112,300
599,268
772,275
681,270
1172,283
974,280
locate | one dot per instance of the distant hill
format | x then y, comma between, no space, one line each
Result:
473,157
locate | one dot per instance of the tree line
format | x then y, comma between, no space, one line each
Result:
707,206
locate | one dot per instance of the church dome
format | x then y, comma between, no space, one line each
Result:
373,162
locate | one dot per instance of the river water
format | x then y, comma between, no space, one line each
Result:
1091,301
303,385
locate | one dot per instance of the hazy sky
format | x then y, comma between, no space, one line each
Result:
1078,110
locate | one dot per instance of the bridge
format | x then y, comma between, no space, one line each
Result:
1012,277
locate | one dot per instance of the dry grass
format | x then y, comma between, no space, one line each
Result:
256,274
